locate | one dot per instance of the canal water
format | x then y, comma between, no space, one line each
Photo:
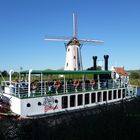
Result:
138,91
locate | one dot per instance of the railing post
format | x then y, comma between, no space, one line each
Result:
83,83
45,87
10,76
65,85
41,83
29,83
113,83
99,82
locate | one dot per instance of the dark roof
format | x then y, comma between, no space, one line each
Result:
64,72
73,41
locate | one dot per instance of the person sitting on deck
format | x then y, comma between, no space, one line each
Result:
57,85
49,87
33,87
92,83
76,84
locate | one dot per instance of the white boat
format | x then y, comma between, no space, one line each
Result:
59,91
46,92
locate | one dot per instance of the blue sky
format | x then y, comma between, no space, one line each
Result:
25,23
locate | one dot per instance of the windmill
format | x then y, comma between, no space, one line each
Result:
73,49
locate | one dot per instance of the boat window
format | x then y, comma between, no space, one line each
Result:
87,98
39,103
99,97
56,101
110,95
72,100
114,94
104,96
64,101
127,92
93,97
119,93
80,99
124,93
28,105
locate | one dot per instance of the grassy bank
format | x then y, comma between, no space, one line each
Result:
135,82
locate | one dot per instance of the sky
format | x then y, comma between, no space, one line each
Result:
25,23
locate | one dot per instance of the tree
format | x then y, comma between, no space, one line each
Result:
91,68
15,74
134,75
4,73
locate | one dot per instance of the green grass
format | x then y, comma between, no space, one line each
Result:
135,82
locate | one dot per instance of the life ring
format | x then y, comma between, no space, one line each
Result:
57,84
76,83
92,82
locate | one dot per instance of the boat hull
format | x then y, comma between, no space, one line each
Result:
47,105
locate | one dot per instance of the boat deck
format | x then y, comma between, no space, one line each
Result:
20,90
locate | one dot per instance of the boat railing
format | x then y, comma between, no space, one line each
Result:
20,89
132,90
15,88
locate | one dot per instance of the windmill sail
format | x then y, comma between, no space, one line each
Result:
73,48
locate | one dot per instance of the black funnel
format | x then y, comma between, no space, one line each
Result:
106,61
94,62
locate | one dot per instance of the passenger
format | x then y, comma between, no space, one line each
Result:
49,88
57,85
76,84
22,81
33,87
92,83
17,84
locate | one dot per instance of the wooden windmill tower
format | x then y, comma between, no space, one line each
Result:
73,49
